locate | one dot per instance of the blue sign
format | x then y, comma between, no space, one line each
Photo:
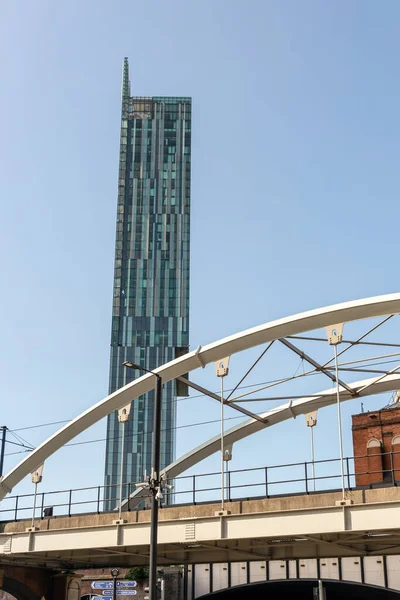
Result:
120,593
102,585
107,587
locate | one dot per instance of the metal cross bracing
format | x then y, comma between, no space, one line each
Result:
368,364
374,364
335,372
364,365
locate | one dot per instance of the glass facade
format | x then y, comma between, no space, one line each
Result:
150,319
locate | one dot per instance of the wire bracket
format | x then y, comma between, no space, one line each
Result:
37,475
311,418
222,367
123,413
334,333
228,452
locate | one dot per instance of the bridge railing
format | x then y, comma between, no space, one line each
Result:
258,482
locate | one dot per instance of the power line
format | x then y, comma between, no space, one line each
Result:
243,387
21,440
41,425
29,447
139,433
20,452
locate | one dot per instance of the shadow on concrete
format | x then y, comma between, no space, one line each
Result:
302,589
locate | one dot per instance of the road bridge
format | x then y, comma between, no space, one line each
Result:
268,528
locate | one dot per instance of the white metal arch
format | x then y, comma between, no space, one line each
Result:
310,320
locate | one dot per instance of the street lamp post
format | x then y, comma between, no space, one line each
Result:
154,482
114,575
3,446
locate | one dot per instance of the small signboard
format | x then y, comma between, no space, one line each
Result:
107,587
102,585
120,592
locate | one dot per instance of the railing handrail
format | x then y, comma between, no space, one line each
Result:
266,483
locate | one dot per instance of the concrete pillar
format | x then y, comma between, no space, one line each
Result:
172,584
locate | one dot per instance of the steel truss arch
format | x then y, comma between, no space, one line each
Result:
250,338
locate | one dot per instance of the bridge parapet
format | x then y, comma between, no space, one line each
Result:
266,528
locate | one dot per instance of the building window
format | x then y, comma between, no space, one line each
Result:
375,465
374,443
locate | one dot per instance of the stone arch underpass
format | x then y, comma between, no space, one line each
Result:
328,317
18,590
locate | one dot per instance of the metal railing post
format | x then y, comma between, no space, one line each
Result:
42,508
306,477
392,469
348,473
16,509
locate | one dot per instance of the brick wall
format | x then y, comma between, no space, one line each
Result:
373,436
29,582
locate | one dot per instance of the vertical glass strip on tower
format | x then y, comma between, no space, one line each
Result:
150,319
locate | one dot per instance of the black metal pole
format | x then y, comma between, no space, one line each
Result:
155,477
3,446
114,575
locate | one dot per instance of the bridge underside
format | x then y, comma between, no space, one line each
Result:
303,589
257,529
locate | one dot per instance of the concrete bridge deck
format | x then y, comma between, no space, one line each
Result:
268,528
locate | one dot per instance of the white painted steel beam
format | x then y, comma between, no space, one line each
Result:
331,523
300,323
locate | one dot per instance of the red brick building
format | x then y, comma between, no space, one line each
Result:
376,445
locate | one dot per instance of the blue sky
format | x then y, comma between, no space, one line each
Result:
295,183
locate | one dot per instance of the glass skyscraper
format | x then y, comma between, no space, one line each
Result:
150,318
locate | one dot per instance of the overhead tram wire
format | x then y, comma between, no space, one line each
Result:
64,421
140,433
131,435
196,424
19,438
29,447
177,400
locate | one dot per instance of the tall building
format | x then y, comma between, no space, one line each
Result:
150,318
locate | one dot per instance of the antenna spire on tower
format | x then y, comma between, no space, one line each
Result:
126,84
